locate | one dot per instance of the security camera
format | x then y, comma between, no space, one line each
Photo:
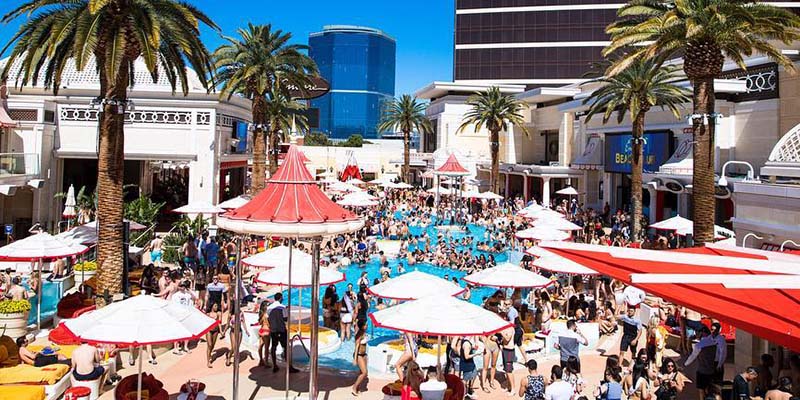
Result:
36,183
8,190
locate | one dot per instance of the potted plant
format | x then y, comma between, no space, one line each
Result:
84,271
14,317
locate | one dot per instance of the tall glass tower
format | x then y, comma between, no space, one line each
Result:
359,63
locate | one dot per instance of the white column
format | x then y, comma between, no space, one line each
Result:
508,181
653,204
607,189
526,193
511,153
546,191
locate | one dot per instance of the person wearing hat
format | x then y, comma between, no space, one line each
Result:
186,298
47,356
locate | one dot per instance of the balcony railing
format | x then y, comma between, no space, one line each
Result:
15,164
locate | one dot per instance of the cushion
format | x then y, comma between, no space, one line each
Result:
24,373
11,352
22,392
134,395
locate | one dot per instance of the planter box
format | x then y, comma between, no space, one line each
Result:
81,277
16,324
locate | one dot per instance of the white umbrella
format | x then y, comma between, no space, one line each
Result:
300,275
529,209
402,185
719,232
355,181
357,202
39,246
543,233
490,196
277,257
556,263
139,321
343,187
327,174
415,285
568,191
439,189
544,213
199,207
560,224
235,202
440,315
471,194
134,226
69,204
673,224
507,275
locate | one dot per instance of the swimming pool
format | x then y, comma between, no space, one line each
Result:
51,294
342,359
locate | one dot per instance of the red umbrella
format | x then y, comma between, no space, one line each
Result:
773,314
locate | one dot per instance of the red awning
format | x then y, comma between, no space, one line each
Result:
452,167
292,196
773,314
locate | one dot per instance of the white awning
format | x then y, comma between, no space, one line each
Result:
682,161
78,153
592,156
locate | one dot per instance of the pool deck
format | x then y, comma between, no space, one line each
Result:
260,383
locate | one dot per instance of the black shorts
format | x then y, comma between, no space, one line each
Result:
704,381
696,326
96,373
508,360
626,344
564,365
279,338
518,334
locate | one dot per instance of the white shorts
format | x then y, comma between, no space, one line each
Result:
347,318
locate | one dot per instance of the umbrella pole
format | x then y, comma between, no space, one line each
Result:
288,349
237,323
39,299
139,390
315,242
439,356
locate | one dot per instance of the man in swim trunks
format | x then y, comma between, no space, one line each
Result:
509,357
86,363
156,251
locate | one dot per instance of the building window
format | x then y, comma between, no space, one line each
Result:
551,146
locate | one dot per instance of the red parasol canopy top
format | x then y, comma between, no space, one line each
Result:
291,197
773,314
452,167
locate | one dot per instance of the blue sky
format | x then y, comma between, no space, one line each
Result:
423,28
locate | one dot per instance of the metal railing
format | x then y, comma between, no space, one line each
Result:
13,164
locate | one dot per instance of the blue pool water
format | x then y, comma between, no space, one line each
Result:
51,294
342,358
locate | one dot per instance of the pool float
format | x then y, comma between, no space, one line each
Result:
328,338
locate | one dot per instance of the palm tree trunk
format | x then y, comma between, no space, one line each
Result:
110,176
636,175
259,147
273,151
494,149
406,156
703,173
259,161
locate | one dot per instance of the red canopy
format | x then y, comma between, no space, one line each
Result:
291,205
773,314
452,167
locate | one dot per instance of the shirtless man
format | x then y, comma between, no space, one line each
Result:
15,290
509,357
156,251
85,363
782,392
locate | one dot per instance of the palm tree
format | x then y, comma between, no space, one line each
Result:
636,89
283,115
406,114
251,66
165,34
495,111
704,32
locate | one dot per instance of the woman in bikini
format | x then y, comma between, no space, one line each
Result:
263,335
360,355
211,336
410,354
